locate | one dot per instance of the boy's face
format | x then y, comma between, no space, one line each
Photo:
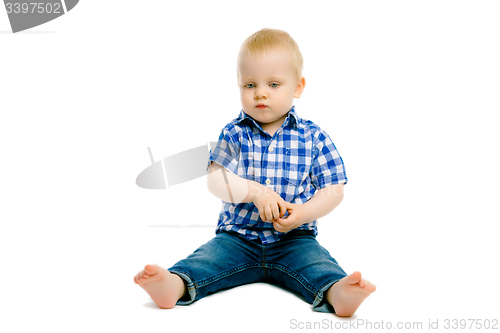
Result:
268,84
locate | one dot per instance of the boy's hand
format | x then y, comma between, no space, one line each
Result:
270,204
294,220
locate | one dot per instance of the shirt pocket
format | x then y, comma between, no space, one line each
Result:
297,165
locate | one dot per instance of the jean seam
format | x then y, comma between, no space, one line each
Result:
225,274
264,264
295,276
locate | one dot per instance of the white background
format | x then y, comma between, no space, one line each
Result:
407,90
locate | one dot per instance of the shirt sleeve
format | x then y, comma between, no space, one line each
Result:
328,167
226,151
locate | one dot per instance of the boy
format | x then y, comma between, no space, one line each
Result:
276,174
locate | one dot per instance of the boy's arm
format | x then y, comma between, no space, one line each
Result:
323,202
231,188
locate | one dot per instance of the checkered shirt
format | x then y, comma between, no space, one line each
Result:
297,161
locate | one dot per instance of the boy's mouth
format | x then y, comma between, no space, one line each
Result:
261,106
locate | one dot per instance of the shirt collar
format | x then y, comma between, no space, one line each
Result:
292,118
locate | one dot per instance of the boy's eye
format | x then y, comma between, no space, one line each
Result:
249,85
274,84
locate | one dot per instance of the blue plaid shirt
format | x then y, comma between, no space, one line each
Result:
297,161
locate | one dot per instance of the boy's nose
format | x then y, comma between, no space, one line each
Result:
260,94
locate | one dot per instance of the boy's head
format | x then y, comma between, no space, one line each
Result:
266,40
269,76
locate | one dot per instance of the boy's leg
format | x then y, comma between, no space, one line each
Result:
225,261
301,264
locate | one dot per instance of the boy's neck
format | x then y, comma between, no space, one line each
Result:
271,128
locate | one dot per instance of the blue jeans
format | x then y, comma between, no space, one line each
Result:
297,262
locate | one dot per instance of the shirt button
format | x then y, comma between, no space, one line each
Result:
268,181
271,149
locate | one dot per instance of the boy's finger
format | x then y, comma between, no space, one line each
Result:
285,222
269,213
276,211
282,207
278,227
262,215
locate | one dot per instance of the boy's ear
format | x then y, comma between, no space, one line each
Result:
300,87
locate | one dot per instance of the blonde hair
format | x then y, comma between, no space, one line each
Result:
268,39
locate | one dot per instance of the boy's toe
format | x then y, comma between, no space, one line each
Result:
151,269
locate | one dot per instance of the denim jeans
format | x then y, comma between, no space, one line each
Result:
297,262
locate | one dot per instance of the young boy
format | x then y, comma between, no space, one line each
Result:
277,174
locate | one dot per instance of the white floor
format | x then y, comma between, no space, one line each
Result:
81,281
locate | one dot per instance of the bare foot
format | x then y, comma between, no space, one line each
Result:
164,287
347,295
